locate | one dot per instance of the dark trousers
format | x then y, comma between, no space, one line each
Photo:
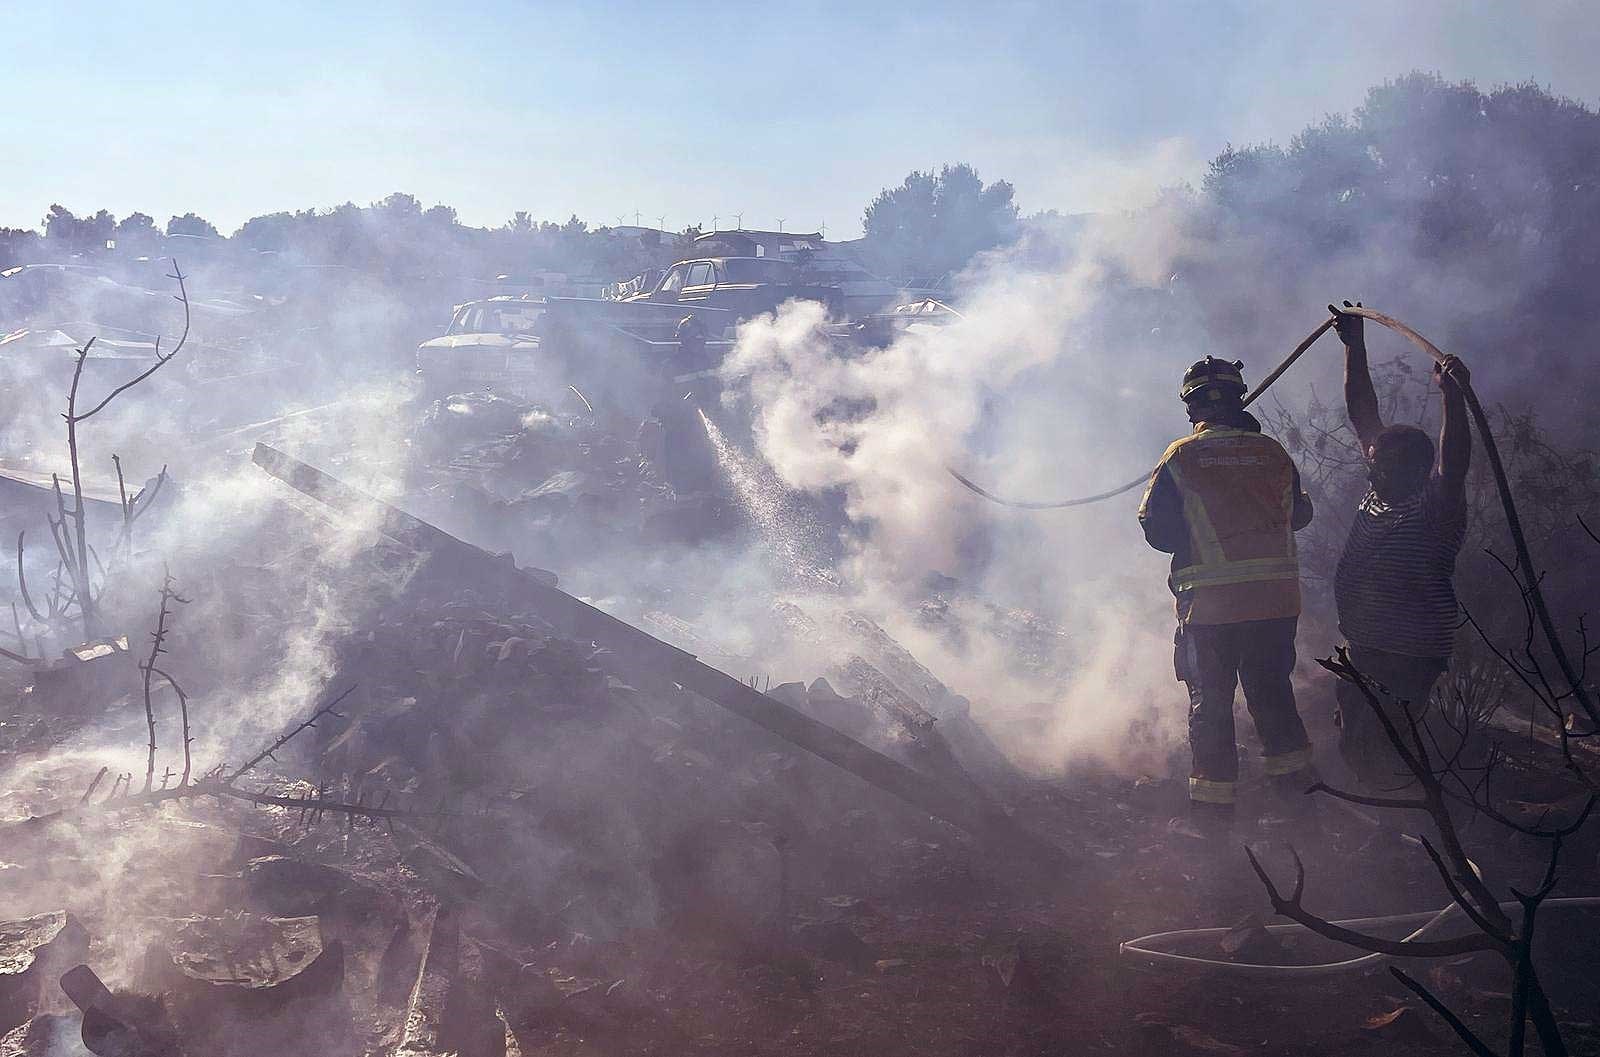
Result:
1402,684
1213,660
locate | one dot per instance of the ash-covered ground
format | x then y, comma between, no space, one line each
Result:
505,837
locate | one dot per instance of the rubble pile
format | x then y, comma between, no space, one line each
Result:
561,828
555,747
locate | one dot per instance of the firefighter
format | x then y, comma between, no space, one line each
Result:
672,438
1225,502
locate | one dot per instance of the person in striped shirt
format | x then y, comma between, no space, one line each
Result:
1394,586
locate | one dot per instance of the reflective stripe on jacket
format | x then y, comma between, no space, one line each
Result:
1237,496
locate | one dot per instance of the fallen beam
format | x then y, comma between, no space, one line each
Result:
422,1034
582,621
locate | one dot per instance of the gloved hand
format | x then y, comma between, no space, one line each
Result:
1350,328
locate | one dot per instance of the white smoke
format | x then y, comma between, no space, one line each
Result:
1042,389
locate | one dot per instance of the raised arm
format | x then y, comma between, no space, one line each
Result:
1360,398
1455,438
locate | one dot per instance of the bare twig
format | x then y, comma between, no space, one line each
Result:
1369,801
1464,1033
182,297
183,712
22,580
133,508
313,804
140,501
158,638
58,528
311,721
317,803
1414,754
87,793
1491,928
79,566
1290,906
122,495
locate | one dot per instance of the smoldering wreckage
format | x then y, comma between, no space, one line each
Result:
366,783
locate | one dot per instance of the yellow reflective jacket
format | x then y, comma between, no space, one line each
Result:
1225,501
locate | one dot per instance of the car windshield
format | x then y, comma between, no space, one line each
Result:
756,270
497,318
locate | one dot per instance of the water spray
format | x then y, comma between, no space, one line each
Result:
768,504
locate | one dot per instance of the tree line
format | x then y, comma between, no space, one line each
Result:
1426,176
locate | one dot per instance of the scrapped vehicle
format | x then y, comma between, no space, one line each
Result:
491,343
535,347
745,286
817,262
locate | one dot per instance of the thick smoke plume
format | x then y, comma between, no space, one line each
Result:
1036,389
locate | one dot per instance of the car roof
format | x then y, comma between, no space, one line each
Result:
718,260
501,299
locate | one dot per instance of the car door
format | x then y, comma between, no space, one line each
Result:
671,288
699,284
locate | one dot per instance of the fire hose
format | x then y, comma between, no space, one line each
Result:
1057,504
1147,950
1524,567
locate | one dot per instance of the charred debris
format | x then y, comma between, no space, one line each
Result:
465,841
483,815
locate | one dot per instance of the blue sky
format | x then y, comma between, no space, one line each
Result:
800,111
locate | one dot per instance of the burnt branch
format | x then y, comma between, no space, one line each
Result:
78,543
1464,1033
311,805
98,778
135,506
1291,907
182,297
1397,803
310,722
1587,530
1440,775
158,638
183,712
122,494
315,804
1490,928
22,582
141,502
1413,753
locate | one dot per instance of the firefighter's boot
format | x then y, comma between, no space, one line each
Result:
1293,807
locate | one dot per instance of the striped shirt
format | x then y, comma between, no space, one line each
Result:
1394,586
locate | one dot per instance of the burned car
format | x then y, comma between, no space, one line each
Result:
536,348
745,286
492,343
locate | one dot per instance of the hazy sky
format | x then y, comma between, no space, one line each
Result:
800,111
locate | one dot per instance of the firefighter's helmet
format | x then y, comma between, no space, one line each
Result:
1212,381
